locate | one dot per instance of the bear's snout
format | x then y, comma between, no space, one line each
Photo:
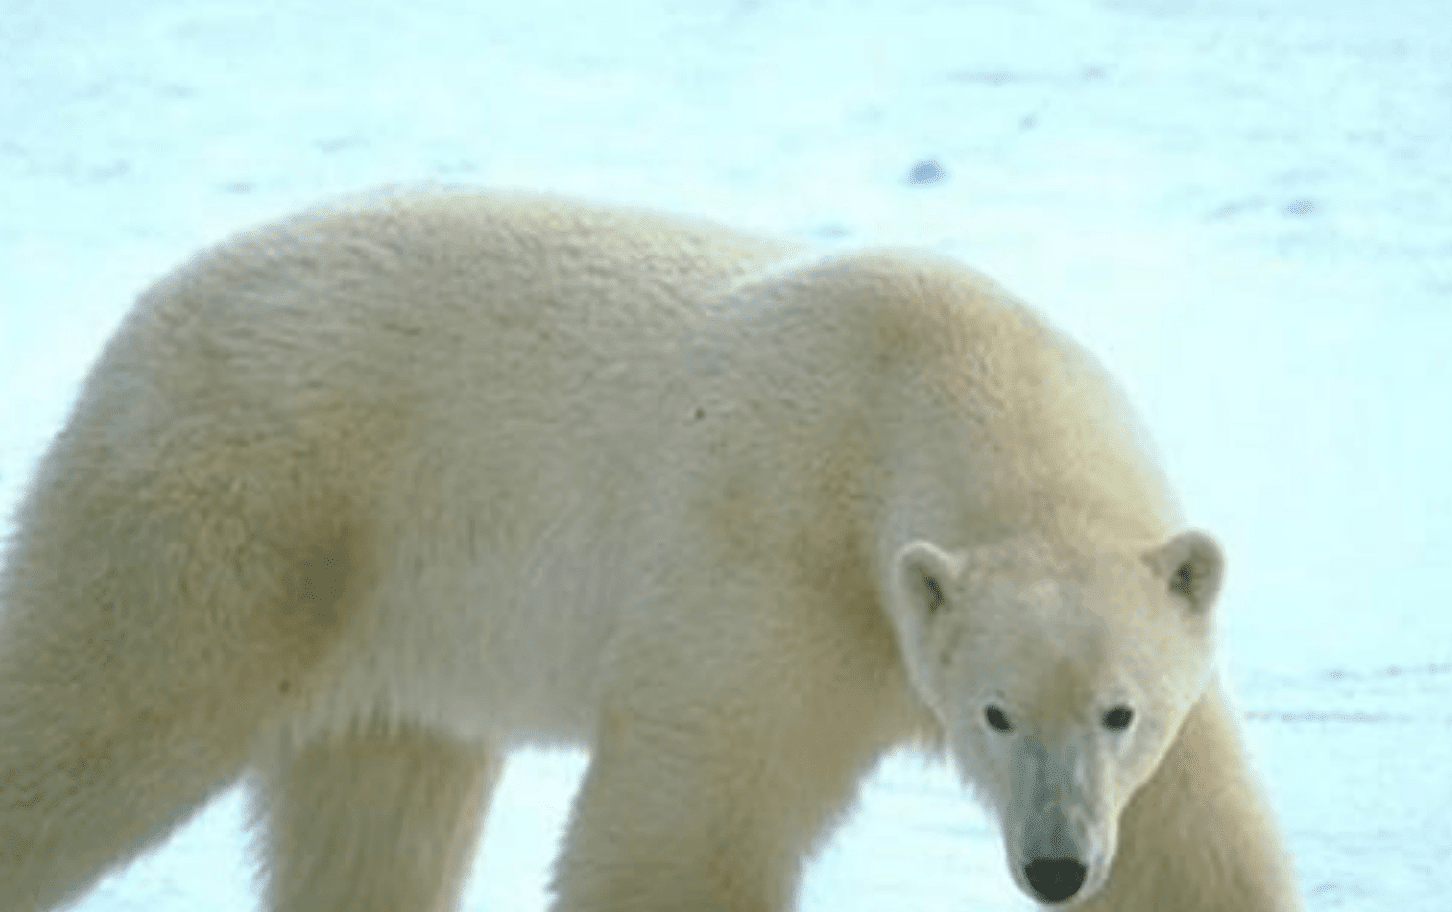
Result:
1055,879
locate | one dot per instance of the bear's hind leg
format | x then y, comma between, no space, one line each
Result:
377,819
1198,837
152,622
93,773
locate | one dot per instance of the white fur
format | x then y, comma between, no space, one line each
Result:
364,499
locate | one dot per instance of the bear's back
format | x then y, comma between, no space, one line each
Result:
364,325
468,283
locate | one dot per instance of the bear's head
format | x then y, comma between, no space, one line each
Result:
1060,679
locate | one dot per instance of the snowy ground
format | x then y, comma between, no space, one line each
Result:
1242,205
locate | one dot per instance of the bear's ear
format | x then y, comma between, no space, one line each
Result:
923,572
922,589
1192,567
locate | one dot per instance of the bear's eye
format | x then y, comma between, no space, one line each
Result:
1118,718
997,719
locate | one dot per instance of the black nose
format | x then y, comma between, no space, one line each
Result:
1055,879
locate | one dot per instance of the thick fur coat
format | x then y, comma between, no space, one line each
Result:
359,501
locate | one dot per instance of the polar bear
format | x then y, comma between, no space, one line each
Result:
355,503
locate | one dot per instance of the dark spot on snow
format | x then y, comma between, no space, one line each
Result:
1336,892
927,171
1300,207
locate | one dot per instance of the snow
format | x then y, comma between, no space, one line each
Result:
1241,205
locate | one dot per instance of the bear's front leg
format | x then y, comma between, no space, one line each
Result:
1198,836
709,799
